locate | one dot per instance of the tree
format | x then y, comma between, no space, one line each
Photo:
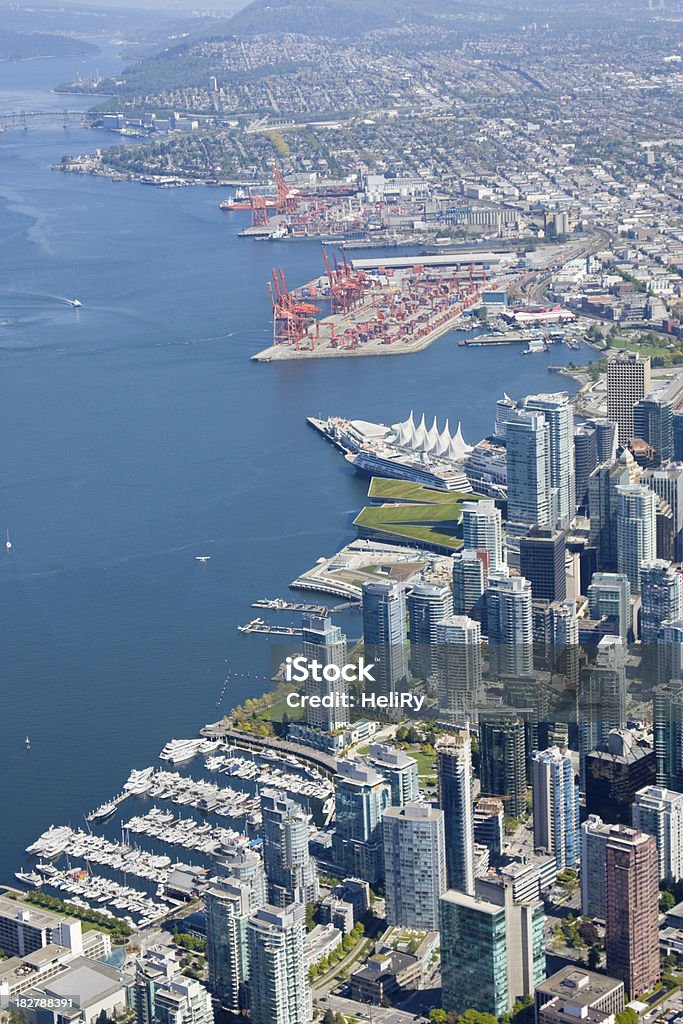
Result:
328,1017
627,1016
667,901
593,958
476,1017
438,1017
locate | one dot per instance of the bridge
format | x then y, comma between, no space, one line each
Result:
30,118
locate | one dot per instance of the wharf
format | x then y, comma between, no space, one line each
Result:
278,604
259,626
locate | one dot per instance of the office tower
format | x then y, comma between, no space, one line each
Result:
162,995
361,797
502,761
506,410
470,578
227,906
653,423
541,561
326,644
636,530
667,725
488,825
492,949
592,997
414,865
385,634
660,595
454,779
602,505
594,835
510,626
664,526
458,667
556,806
585,461
428,605
659,812
628,380
528,470
609,597
482,530
279,992
667,483
601,699
559,416
238,860
632,927
615,771
677,428
291,871
398,769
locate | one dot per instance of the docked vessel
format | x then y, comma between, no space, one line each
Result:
180,751
139,781
103,812
29,878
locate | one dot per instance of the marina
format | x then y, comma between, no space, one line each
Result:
260,626
278,604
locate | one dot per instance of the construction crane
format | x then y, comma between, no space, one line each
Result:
259,209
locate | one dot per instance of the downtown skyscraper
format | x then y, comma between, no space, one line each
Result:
454,780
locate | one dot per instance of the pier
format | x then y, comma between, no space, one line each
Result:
278,604
259,626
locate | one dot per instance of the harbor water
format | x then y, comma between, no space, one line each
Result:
136,435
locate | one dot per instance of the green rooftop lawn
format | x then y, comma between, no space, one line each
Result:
385,489
437,522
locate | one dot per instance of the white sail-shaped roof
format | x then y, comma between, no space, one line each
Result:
420,436
459,447
444,441
432,437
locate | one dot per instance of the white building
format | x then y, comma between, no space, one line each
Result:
659,812
414,865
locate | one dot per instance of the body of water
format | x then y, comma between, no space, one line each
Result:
136,434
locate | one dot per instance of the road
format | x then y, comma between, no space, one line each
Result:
375,1014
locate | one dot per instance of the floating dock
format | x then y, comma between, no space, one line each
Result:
259,626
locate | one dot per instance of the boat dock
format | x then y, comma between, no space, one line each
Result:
278,604
259,626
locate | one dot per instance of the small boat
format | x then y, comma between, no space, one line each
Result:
8,542
202,558
102,813
27,743
76,303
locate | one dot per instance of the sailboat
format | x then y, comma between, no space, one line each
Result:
8,542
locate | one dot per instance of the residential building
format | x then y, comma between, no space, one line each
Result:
502,761
594,835
454,779
325,643
659,813
458,667
361,796
510,626
385,634
163,995
291,871
482,530
585,461
398,769
470,578
632,926
428,605
602,506
558,412
667,483
528,470
636,530
414,865
556,806
227,905
279,992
